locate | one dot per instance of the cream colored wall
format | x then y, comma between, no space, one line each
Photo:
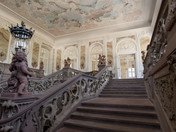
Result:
88,43
6,19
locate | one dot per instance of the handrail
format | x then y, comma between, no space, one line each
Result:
159,66
56,103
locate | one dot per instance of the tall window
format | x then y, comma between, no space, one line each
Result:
96,50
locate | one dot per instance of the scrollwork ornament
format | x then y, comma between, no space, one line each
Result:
171,17
172,66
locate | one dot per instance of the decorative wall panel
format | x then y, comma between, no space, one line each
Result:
109,54
82,57
45,58
144,41
35,55
72,53
58,60
4,42
95,51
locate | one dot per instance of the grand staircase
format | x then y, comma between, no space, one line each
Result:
122,106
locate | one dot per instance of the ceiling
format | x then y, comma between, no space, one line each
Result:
63,17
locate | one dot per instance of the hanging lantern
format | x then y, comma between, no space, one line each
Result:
20,37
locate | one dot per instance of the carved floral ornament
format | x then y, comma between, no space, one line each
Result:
165,89
172,66
171,17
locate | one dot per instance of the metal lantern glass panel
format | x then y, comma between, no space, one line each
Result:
20,37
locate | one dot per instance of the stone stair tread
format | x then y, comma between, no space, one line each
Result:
120,101
146,121
125,83
66,129
107,127
117,110
123,92
102,96
129,106
122,106
124,87
115,89
123,95
114,96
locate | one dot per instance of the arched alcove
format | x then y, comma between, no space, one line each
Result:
35,55
72,53
95,50
45,59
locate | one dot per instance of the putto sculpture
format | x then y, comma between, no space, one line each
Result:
101,62
17,83
19,68
67,62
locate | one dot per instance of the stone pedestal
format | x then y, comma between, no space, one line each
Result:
16,95
22,101
100,67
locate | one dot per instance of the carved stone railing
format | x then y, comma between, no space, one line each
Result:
48,112
160,66
40,85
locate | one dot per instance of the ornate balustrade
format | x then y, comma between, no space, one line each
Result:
160,66
40,85
46,113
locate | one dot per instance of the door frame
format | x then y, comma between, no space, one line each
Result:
127,61
131,48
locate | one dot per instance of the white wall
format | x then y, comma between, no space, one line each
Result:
137,33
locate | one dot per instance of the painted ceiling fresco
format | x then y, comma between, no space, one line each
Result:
61,17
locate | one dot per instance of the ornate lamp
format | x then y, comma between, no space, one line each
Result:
20,37
19,68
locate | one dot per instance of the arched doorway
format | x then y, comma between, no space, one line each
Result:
95,51
126,59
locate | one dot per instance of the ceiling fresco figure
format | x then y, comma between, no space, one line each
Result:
61,17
